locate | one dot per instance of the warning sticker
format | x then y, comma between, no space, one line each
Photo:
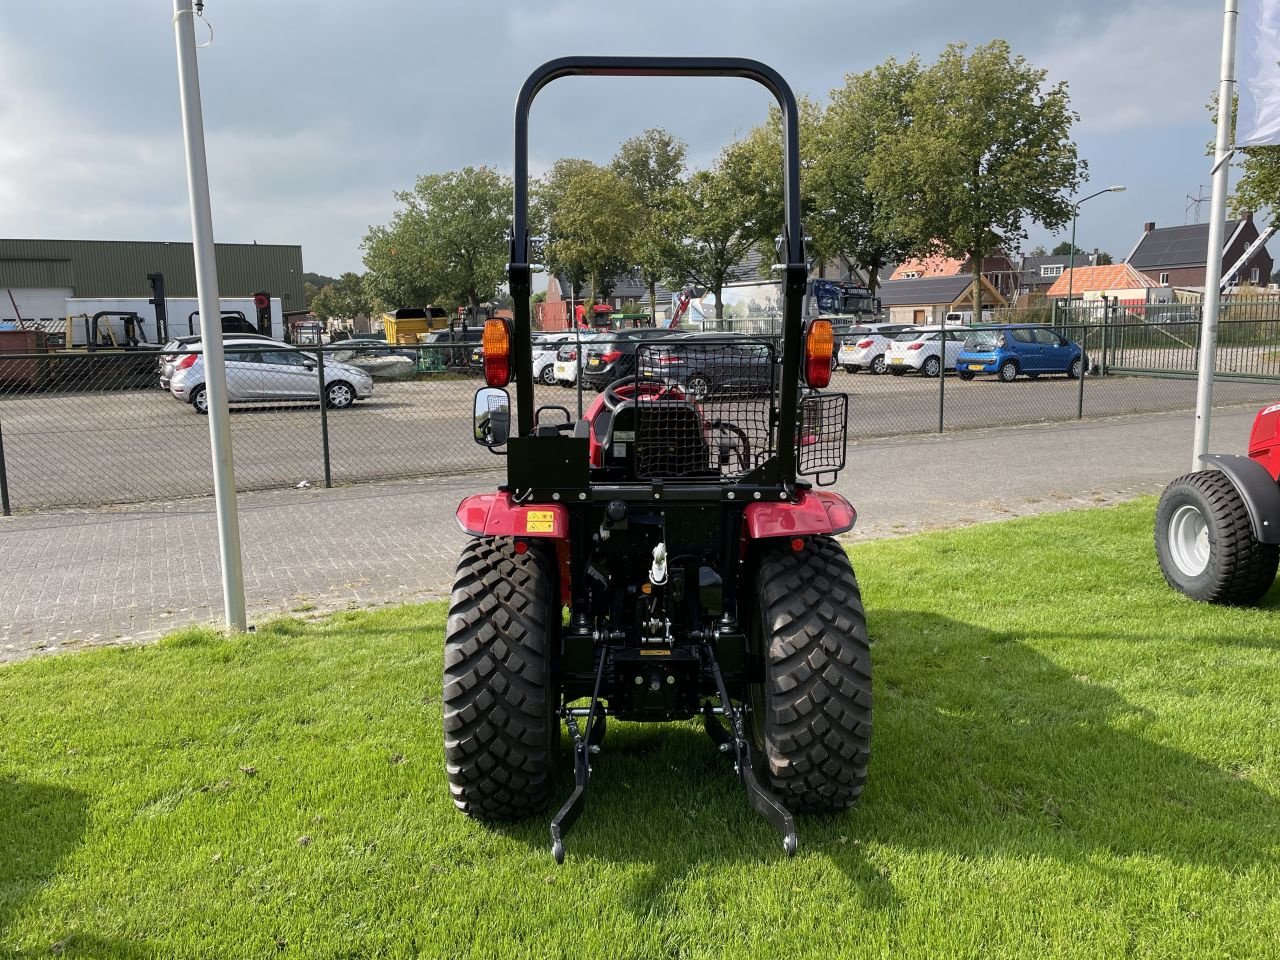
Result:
539,521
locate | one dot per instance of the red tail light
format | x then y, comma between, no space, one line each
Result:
666,359
863,344
496,343
187,361
915,346
610,355
819,346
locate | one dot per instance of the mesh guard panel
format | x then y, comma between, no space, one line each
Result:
705,407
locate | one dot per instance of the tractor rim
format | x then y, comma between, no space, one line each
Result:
1189,540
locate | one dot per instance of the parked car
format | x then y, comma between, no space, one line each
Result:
265,371
921,350
701,364
174,349
545,350
1014,349
865,347
613,355
567,363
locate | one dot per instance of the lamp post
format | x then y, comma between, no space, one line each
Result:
1071,269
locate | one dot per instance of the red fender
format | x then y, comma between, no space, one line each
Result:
1264,441
494,515
813,512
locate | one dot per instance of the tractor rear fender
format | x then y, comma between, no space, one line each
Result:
812,512
1258,489
494,515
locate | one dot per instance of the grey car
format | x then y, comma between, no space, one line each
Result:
266,372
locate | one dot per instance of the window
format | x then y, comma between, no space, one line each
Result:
1164,279
1255,275
1051,270
284,358
1022,335
911,275
1048,338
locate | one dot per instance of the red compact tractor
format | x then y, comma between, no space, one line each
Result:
1218,531
661,558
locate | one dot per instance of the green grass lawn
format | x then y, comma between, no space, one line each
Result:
1070,761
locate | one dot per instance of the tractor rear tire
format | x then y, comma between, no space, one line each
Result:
813,711
1205,542
501,726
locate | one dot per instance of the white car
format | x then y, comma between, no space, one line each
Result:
261,371
920,350
567,362
865,347
545,349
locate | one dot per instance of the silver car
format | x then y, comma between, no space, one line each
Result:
264,372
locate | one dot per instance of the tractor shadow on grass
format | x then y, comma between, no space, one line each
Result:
41,826
984,746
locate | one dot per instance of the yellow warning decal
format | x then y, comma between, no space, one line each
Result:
655,653
539,521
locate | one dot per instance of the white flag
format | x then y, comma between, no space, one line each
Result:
1258,60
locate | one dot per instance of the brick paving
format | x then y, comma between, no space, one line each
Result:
73,579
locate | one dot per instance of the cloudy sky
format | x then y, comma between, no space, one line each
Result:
316,111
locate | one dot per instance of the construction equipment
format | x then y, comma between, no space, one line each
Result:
661,558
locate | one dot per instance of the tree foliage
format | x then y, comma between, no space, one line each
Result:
865,120
987,151
447,242
588,212
652,166
344,299
719,232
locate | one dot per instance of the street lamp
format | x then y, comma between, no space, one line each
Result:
1071,278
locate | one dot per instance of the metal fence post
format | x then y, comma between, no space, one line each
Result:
1084,366
4,478
942,373
324,417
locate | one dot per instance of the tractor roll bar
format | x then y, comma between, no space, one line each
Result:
519,274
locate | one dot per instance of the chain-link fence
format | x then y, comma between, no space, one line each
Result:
124,426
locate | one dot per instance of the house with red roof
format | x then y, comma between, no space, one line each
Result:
1116,281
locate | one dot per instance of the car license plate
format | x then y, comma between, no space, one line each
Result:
593,362
896,360
977,366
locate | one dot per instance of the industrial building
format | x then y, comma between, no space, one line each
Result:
38,276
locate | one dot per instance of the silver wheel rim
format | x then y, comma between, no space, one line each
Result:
1075,369
202,401
1189,540
339,396
931,367
1008,372
877,365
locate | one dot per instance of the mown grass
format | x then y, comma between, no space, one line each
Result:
1070,761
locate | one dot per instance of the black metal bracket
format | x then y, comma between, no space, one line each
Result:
735,741
584,745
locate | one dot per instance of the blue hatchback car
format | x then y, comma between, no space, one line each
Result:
1018,348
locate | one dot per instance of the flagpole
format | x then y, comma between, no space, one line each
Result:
1217,224
206,269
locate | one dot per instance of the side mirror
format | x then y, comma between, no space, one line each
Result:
492,417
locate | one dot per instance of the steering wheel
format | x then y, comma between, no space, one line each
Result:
626,389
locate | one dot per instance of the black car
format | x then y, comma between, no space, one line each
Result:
701,364
613,355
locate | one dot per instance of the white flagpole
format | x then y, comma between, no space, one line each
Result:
1217,223
224,478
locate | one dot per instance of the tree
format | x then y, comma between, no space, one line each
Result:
652,167
1065,249
718,229
343,299
866,118
589,214
1103,259
448,242
988,150
1038,251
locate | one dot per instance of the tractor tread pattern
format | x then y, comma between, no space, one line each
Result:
817,724
1241,570
500,729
